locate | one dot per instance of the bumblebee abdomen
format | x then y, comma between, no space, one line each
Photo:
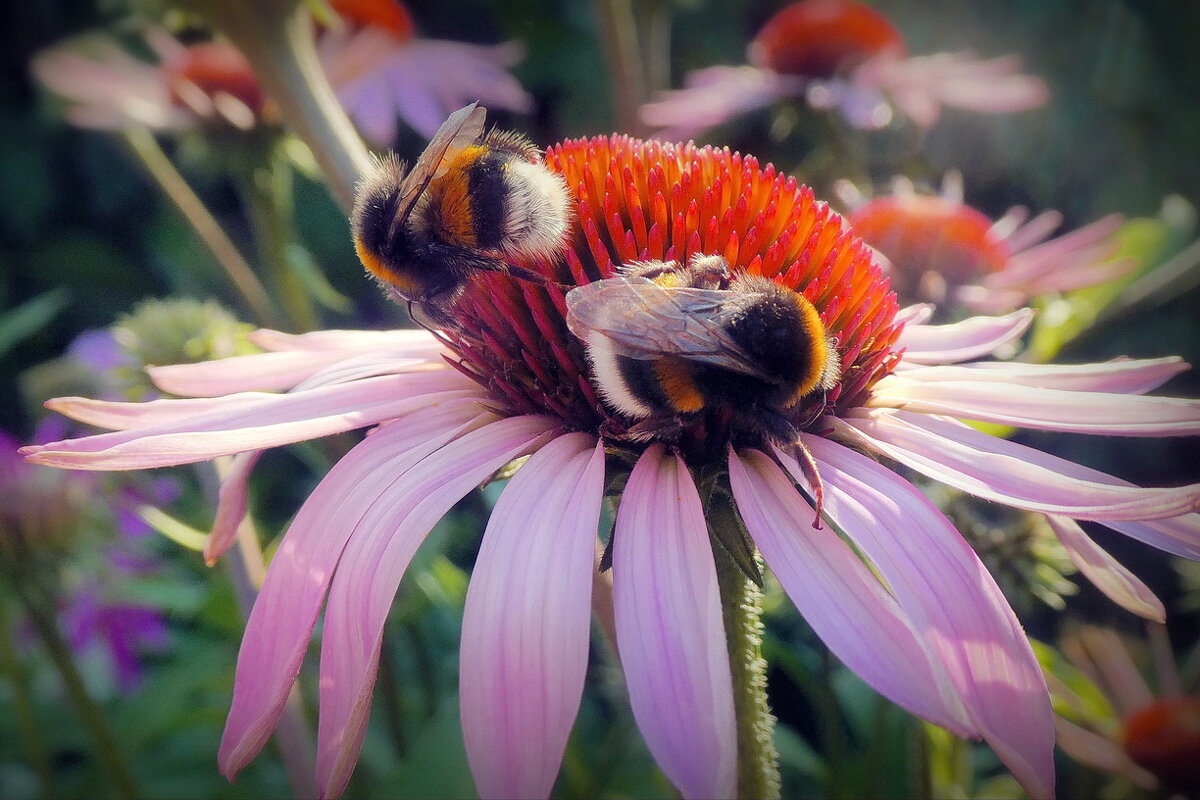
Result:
782,331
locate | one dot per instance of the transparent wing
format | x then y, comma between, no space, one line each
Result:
461,129
643,320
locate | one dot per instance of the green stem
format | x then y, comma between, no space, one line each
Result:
618,28
267,193
109,752
173,184
277,38
31,734
741,602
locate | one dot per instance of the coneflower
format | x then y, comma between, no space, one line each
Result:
908,605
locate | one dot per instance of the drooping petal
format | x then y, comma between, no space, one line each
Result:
384,540
231,505
1007,472
1043,409
1100,752
839,597
953,601
961,341
669,628
1105,572
1178,535
253,421
526,623
280,625
1121,376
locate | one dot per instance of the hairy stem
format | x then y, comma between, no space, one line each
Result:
741,602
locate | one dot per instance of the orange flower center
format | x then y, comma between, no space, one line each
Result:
822,38
387,14
648,200
922,233
215,67
1164,738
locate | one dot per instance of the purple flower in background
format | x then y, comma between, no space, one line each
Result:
381,70
842,54
938,249
446,412
122,631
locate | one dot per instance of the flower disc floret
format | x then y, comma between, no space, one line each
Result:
648,200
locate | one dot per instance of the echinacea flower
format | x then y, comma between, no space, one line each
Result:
938,249
380,70
842,54
187,86
1119,724
905,602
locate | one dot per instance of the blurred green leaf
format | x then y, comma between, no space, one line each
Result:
313,279
437,764
1074,695
30,317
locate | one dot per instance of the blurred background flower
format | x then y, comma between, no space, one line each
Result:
844,55
937,249
383,72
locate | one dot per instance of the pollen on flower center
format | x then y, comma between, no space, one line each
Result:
637,201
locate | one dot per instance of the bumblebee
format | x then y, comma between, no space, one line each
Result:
667,341
472,202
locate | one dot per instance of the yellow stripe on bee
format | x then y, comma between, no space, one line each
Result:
669,280
452,195
818,353
376,267
674,378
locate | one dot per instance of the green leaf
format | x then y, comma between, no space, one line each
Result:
314,280
30,317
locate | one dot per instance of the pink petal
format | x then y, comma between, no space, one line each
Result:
713,96
1105,572
1121,376
269,372
1044,409
382,543
952,600
669,628
839,597
1179,536
1009,473
961,341
231,505
253,421
408,342
1100,752
281,623
526,623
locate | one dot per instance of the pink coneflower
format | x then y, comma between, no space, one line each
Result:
1150,738
909,607
842,54
381,70
938,249
188,85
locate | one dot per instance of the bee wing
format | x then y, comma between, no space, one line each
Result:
645,321
461,129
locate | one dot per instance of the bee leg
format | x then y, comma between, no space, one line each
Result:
808,465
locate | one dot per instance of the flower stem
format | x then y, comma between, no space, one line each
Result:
31,734
203,223
267,194
109,753
276,36
741,602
